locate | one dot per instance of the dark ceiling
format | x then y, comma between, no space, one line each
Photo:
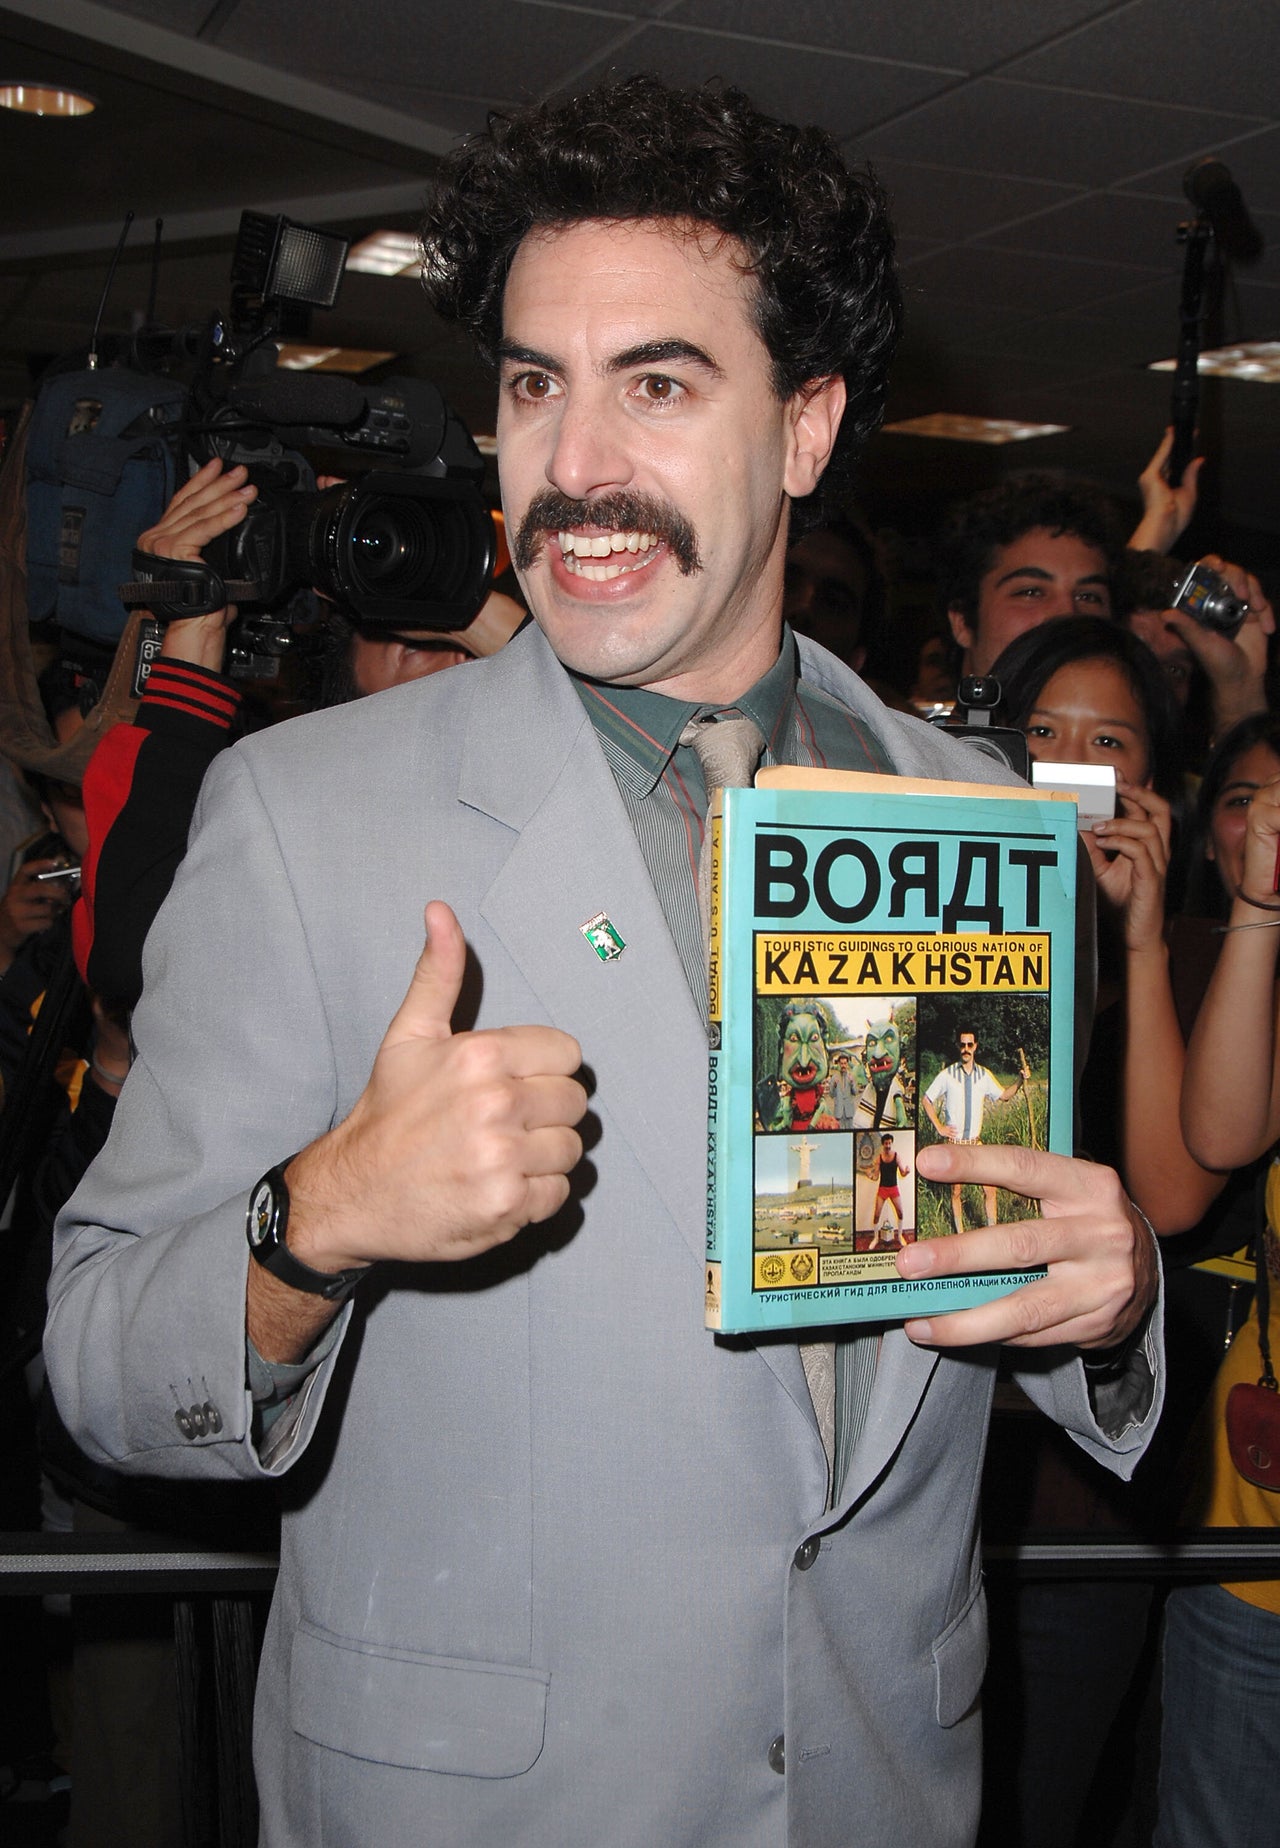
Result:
1034,151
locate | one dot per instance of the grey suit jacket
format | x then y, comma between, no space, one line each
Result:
547,1573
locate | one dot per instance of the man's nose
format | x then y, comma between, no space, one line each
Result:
590,454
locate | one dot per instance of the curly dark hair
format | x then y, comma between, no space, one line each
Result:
978,528
815,235
1145,581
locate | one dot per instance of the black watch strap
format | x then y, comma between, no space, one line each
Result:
265,1228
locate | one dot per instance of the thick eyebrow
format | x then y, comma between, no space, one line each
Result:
646,353
1045,577
511,354
665,353
1239,783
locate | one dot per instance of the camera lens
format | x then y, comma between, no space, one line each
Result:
393,547
411,550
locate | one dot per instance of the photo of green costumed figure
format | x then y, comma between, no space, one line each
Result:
984,1078
834,1063
794,1094
882,1102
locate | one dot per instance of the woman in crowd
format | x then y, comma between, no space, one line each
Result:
1064,1654
1087,691
1222,1642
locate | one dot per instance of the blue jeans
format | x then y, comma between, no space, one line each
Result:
1221,1723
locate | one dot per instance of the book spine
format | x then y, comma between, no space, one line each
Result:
715,1004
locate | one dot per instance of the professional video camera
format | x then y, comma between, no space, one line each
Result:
406,542
979,695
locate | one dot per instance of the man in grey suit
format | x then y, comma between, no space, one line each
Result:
558,1566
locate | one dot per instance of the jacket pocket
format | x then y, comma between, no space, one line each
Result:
425,1712
960,1659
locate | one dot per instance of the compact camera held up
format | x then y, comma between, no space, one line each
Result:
1206,596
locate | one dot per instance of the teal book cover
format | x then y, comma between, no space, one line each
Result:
891,964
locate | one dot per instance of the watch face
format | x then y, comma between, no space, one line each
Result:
261,1212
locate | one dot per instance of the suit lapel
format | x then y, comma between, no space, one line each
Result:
575,855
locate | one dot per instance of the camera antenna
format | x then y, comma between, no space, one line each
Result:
106,290
155,274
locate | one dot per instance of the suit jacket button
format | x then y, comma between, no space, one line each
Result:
183,1421
199,1423
806,1553
213,1417
778,1755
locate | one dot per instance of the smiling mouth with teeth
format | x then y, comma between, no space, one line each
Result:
605,535
602,556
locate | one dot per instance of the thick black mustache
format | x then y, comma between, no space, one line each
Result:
553,512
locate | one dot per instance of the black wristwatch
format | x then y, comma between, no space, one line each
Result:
265,1227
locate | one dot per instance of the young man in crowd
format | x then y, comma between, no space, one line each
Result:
1034,547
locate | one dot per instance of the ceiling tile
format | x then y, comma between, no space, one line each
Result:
968,276
942,202
515,51
991,126
838,94
1166,50
1096,225
177,15
154,151
964,38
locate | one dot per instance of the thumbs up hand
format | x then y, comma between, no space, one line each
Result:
457,1141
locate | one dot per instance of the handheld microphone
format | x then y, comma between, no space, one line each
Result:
1212,191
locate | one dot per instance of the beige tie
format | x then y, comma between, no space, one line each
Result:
728,746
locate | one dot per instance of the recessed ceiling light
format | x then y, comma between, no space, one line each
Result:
386,253
956,429
297,358
1257,362
44,100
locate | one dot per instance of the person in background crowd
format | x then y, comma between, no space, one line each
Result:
1036,547
1064,1653
834,589
1221,1683
1086,691
1216,679
933,686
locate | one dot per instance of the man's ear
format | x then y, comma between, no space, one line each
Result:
961,629
816,410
